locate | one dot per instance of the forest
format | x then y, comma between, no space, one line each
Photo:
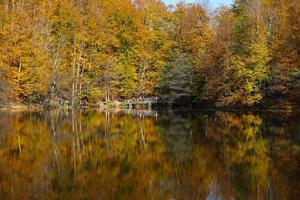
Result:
245,55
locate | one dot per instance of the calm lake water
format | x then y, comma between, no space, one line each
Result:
147,155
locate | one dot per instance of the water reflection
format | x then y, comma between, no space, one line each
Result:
142,155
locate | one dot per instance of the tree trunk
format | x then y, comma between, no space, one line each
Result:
77,76
81,79
73,75
106,85
19,72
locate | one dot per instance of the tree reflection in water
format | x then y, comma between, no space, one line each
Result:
185,155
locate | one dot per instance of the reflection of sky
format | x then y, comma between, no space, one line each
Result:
214,192
214,3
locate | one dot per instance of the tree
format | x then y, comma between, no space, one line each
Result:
284,83
64,51
176,81
249,60
193,34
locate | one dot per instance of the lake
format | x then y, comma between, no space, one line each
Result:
169,155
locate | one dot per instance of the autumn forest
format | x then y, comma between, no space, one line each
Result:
245,55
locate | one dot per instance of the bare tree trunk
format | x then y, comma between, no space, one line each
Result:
77,76
81,79
19,72
106,85
73,74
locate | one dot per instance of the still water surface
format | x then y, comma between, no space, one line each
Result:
173,155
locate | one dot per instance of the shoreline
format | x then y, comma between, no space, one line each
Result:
21,107
24,107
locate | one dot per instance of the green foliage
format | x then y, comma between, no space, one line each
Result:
176,79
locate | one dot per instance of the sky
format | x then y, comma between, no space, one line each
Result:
213,3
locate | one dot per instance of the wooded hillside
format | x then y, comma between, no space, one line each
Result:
244,55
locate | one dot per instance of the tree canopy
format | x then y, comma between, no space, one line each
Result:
244,55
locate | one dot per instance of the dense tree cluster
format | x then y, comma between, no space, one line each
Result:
118,49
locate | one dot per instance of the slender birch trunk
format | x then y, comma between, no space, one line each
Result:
73,74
